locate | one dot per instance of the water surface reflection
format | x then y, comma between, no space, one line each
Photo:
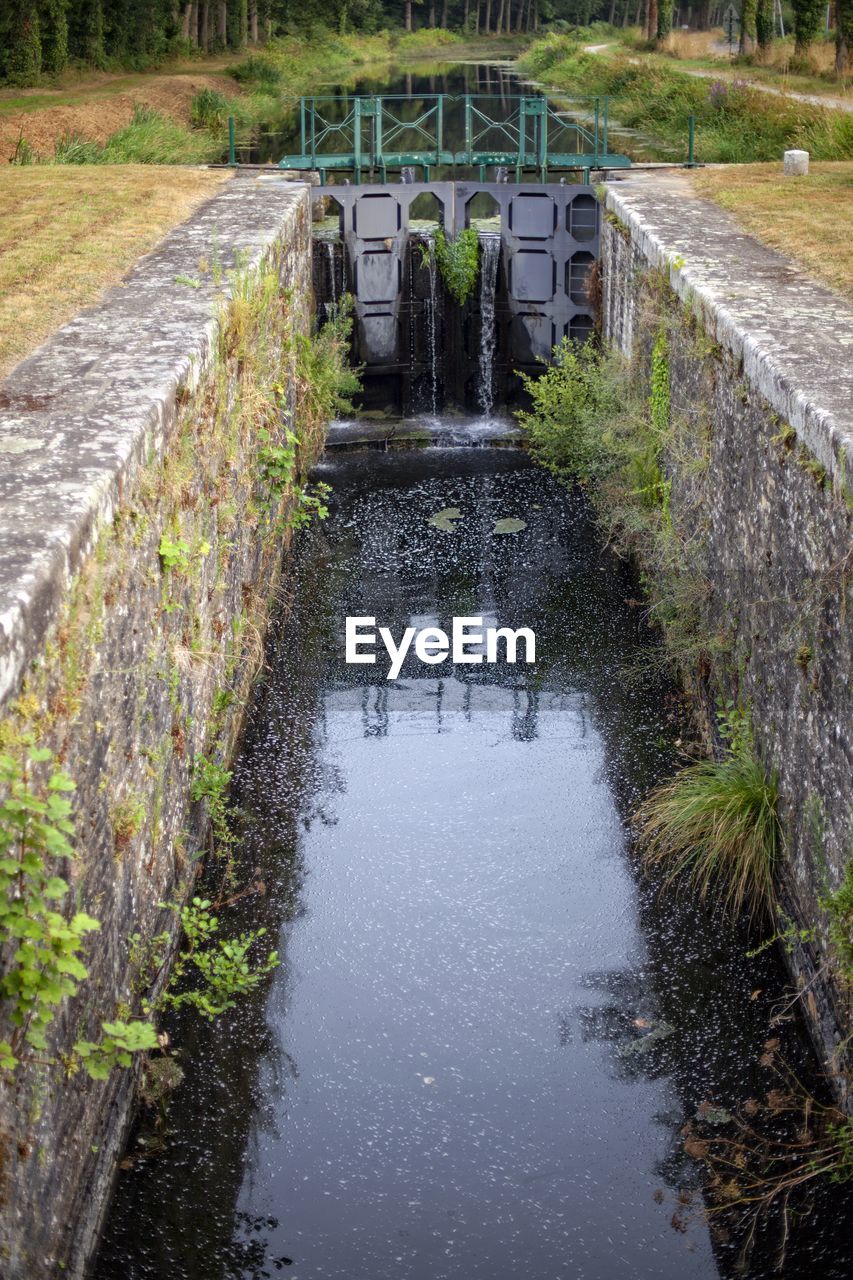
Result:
486,1035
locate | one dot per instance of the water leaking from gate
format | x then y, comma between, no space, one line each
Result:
490,248
431,323
333,287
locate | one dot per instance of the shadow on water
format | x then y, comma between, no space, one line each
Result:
487,1030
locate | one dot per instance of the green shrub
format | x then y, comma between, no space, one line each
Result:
223,967
208,109
574,403
258,68
459,262
715,827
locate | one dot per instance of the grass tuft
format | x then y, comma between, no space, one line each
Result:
209,109
715,828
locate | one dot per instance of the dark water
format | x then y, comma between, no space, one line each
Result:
487,1031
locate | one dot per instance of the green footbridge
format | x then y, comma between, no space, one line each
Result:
372,136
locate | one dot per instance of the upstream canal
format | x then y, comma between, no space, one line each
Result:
488,1030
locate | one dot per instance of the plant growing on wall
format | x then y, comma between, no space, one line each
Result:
715,826
458,262
44,944
222,968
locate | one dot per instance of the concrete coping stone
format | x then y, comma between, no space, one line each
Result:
82,414
793,336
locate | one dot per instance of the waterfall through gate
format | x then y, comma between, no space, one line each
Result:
490,248
332,304
431,324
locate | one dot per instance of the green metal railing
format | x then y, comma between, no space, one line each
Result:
375,134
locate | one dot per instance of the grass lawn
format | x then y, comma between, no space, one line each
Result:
810,219
69,232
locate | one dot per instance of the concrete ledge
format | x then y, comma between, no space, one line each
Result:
793,336
80,415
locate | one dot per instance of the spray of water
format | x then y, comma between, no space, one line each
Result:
332,305
431,326
490,248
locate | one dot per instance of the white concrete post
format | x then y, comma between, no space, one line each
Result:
796,163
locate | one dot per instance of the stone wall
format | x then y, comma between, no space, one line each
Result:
133,430
762,482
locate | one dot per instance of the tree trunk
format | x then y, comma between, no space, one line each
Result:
222,23
808,20
843,34
185,22
204,37
487,22
253,21
432,14
408,14
764,24
194,24
664,20
652,20
444,16
747,26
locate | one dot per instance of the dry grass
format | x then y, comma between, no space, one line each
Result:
99,108
692,45
67,234
809,219
775,66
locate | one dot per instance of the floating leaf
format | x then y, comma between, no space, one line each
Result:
510,525
660,1031
446,519
713,1115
